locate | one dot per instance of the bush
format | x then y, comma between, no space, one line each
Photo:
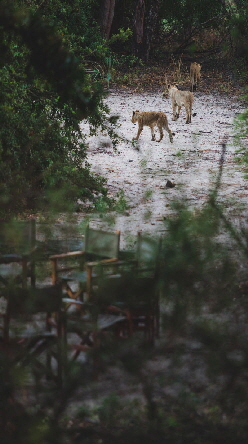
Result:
44,95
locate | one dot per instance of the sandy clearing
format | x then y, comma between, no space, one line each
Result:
191,162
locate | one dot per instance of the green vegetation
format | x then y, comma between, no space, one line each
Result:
45,92
194,388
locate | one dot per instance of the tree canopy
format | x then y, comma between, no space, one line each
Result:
45,93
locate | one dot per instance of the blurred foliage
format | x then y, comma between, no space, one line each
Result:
190,387
240,136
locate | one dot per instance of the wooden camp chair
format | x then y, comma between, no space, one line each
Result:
123,299
29,335
99,247
147,268
17,252
132,287
93,328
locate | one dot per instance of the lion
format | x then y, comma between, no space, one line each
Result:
152,119
195,75
179,99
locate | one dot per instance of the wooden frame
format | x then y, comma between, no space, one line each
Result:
137,275
99,247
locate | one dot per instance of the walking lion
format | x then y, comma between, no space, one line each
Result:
195,75
179,99
152,119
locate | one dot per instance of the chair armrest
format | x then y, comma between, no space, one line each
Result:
115,262
101,262
55,258
72,301
67,255
115,309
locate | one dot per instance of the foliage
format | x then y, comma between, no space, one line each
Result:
185,16
193,256
237,14
181,24
194,388
191,386
44,95
241,132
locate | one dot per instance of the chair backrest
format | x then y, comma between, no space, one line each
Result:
34,300
17,245
148,249
17,237
102,243
57,239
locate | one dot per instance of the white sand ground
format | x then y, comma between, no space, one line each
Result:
191,162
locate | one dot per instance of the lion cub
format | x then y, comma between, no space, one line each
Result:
152,119
179,99
195,75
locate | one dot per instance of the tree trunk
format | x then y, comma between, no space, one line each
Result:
138,33
145,24
107,15
151,26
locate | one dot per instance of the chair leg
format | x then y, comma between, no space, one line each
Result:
61,348
24,272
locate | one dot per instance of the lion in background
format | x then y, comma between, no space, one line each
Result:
179,99
195,75
152,119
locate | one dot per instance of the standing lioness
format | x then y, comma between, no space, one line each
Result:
195,75
152,119
179,99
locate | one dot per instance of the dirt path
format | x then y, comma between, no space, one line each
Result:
191,162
